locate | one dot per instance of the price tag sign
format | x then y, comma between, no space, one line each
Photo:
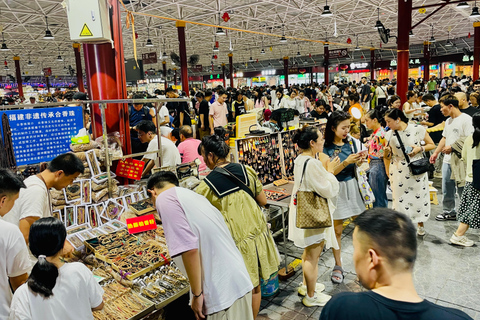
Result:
130,168
141,224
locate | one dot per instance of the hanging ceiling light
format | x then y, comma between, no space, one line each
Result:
379,23
449,42
48,34
219,31
149,42
475,13
357,48
283,39
326,10
462,5
30,64
4,45
432,38
59,58
410,34
263,51
251,59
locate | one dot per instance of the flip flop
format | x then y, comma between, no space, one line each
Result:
337,273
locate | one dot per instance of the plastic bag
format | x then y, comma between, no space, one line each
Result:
114,145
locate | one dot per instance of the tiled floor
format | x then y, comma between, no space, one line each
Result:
444,274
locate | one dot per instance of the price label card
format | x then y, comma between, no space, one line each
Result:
130,168
141,224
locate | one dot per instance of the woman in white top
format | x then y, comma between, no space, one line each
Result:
381,94
408,107
280,102
55,290
291,101
319,179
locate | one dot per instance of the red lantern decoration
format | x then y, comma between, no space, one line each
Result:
349,41
469,35
226,17
309,55
136,35
257,60
5,62
216,44
215,57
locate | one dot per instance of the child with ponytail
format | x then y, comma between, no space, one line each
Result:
55,289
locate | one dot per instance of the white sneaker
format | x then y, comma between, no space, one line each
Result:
302,288
421,231
461,241
318,300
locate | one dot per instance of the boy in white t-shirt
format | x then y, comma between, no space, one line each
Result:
15,262
201,245
457,126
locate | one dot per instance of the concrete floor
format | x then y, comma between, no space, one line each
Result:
445,274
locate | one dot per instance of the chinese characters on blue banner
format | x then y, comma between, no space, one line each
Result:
40,135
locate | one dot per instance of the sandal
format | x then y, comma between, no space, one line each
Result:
337,275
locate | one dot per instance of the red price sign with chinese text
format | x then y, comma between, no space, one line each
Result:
130,168
141,224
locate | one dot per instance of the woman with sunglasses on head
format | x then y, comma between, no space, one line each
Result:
55,290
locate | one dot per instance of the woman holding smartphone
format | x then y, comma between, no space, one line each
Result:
349,201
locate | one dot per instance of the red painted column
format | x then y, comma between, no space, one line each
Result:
372,64
426,62
230,61
47,83
404,27
105,69
223,75
78,64
18,75
175,76
476,49
325,63
285,70
183,56
164,63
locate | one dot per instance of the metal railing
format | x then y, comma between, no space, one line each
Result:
103,105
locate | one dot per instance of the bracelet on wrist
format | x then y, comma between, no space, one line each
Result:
193,294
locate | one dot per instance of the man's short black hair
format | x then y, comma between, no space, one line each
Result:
80,96
428,97
161,179
68,163
221,92
391,233
138,95
449,99
169,89
208,93
146,126
9,183
199,94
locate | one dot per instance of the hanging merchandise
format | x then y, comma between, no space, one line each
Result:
8,144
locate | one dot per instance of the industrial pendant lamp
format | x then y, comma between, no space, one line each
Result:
326,10
263,50
48,34
219,31
475,13
283,39
4,45
449,42
251,58
410,34
357,48
379,23
149,42
59,58
29,64
462,5
432,38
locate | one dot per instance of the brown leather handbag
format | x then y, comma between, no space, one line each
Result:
312,209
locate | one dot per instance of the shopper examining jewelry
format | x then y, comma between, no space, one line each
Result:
55,289
236,191
311,175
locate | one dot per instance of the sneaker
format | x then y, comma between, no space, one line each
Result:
318,300
461,241
421,231
446,216
302,288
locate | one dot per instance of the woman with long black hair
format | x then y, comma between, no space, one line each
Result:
55,290
469,211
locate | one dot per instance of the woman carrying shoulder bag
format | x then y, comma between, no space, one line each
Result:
236,191
311,175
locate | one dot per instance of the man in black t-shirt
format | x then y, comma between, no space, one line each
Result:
320,111
203,112
435,117
182,114
385,249
366,95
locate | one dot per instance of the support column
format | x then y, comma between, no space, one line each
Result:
18,75
476,49
426,62
174,76
285,70
47,83
230,61
311,75
183,56
223,74
404,27
78,64
372,64
164,64
325,64
105,69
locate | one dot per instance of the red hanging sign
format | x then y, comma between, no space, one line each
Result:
226,17
141,224
130,168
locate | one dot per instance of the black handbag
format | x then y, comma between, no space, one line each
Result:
419,166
